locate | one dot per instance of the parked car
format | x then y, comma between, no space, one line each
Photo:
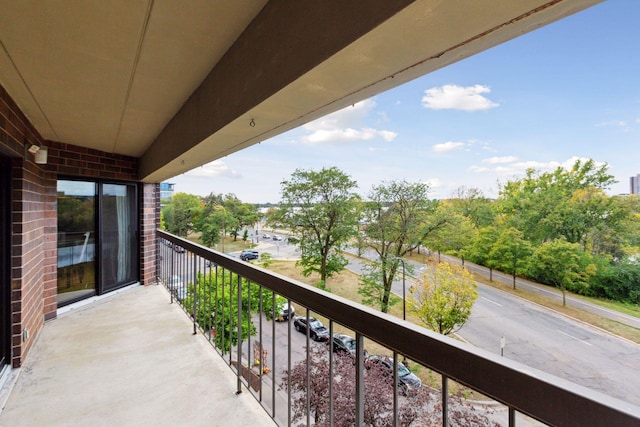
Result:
408,382
248,255
287,312
317,331
344,343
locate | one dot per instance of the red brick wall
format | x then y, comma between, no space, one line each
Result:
149,222
33,257
34,218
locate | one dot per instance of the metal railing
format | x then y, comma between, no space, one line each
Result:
228,298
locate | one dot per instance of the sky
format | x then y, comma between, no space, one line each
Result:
567,91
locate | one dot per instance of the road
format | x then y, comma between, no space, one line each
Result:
546,340
552,293
551,342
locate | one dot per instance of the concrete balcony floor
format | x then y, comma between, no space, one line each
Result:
129,359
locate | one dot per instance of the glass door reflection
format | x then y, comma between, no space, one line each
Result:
76,241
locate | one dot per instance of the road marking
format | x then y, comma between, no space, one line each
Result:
492,302
575,338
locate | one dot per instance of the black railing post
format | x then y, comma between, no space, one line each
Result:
239,389
195,292
445,401
359,379
331,373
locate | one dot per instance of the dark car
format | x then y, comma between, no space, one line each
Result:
344,343
407,380
248,255
317,331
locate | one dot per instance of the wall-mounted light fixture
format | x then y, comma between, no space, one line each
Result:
41,156
40,152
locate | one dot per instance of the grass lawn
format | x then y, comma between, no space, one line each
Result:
230,245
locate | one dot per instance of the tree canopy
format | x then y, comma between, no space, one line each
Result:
400,220
320,209
444,297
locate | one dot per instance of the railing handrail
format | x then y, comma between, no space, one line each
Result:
542,396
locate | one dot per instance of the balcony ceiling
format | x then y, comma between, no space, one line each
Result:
182,83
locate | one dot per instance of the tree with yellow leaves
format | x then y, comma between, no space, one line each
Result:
444,299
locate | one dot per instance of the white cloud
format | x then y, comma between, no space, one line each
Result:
448,146
215,169
500,160
434,183
346,125
453,97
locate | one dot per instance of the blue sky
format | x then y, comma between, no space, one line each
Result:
566,91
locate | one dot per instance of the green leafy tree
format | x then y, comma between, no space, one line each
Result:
320,207
214,297
182,214
444,299
456,235
471,203
479,250
399,214
240,215
540,205
214,224
371,286
562,264
510,253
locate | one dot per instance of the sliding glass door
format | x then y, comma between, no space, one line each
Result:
119,235
76,240
97,238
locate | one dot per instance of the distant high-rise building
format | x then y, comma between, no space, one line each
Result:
166,191
635,184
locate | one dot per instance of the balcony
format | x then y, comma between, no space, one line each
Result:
128,359
148,355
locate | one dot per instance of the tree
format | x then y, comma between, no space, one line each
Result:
479,250
562,264
213,224
399,214
455,236
540,205
471,203
240,214
510,253
216,305
421,408
444,299
371,288
182,214
320,207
